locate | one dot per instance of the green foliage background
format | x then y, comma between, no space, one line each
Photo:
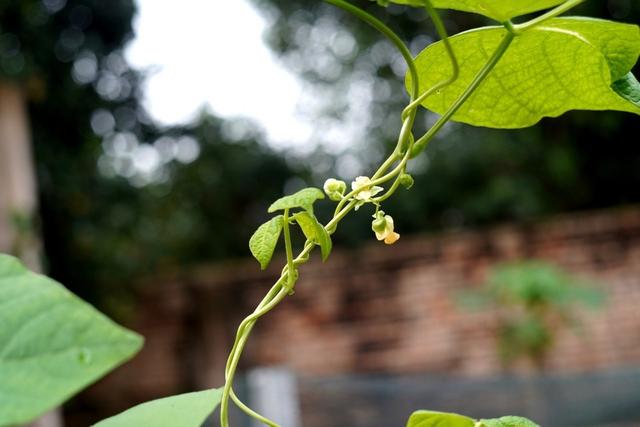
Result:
101,231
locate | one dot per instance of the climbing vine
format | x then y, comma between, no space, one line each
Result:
510,75
513,76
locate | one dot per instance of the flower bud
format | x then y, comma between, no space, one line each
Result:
335,189
383,226
406,180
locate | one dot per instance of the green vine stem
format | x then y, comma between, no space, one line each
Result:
291,270
387,32
564,7
277,293
405,149
444,36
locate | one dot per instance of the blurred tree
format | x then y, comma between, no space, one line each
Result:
208,196
119,196
469,176
63,59
37,41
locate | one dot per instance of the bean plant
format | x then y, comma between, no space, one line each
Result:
510,75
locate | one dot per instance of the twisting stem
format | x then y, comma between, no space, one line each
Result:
480,77
387,32
243,330
455,68
570,4
234,357
291,270
251,412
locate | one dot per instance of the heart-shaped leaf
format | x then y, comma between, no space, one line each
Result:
500,10
564,64
264,240
52,344
183,410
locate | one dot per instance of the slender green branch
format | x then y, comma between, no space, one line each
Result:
408,57
275,289
444,36
251,412
386,31
480,77
244,329
564,7
291,269
402,167
234,358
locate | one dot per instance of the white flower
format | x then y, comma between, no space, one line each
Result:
383,227
365,191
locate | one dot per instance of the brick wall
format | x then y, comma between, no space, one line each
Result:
393,309
385,309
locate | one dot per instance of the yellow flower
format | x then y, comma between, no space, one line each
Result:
383,227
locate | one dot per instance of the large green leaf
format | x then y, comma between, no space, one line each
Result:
439,419
500,10
264,240
564,64
304,199
52,344
183,410
508,421
315,232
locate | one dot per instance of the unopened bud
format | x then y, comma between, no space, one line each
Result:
335,189
406,180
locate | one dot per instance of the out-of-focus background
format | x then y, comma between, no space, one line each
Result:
141,142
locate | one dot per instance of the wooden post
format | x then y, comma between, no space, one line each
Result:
18,192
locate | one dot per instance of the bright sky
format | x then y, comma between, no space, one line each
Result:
209,52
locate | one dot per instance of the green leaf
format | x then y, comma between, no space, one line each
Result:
439,419
52,344
500,10
628,87
183,410
315,232
304,199
564,64
264,240
508,421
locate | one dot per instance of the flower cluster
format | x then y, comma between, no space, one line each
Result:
364,191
